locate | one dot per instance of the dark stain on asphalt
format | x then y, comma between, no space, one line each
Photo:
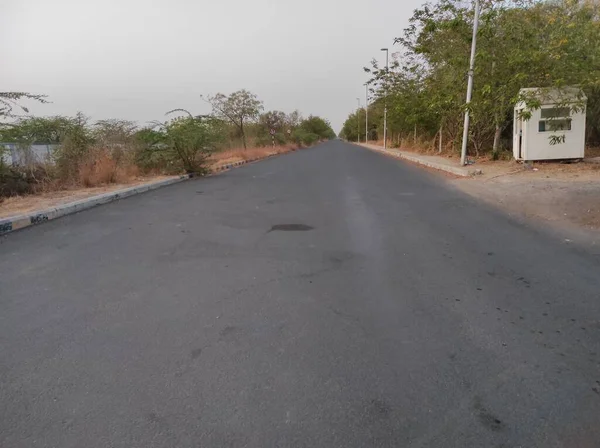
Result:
488,419
195,354
290,228
524,282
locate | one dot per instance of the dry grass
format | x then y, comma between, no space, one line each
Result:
103,169
241,154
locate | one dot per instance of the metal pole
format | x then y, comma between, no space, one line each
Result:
358,121
385,99
366,113
463,152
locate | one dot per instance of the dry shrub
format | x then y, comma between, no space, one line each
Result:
102,168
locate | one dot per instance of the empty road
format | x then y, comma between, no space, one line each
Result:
332,297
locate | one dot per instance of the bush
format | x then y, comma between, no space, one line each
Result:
301,137
280,139
13,183
74,149
19,181
263,141
156,158
191,140
317,126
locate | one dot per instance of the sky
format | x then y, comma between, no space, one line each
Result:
137,59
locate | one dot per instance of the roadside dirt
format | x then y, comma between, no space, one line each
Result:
564,195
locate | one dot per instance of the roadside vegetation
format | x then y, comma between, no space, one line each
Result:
79,152
521,43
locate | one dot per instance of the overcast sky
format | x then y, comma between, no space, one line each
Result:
136,59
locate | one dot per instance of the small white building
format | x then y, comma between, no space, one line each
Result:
555,130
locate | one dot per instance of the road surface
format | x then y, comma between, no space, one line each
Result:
333,297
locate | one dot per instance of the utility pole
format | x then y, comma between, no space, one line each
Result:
385,99
358,121
463,152
366,113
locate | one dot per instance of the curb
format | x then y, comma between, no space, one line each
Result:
438,166
216,169
13,223
18,222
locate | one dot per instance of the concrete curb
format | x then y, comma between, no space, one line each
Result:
13,223
18,222
457,171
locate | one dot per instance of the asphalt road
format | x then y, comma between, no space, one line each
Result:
333,297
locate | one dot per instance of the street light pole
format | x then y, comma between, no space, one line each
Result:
385,100
463,152
358,121
366,113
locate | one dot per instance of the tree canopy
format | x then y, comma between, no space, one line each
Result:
521,43
238,108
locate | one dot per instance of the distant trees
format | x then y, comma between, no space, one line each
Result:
521,43
85,152
313,129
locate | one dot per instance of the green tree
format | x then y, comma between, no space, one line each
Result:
317,126
28,130
273,119
239,108
521,43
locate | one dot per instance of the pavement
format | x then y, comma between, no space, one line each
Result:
334,297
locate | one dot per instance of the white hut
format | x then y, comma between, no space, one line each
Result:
555,130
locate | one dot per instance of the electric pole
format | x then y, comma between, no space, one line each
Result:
463,152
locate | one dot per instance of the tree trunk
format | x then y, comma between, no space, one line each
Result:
243,133
497,136
441,138
415,139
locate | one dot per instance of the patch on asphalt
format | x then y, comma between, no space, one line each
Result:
291,228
